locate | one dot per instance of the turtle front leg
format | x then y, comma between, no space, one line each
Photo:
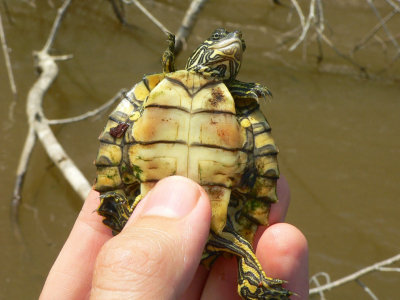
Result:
252,281
248,90
168,58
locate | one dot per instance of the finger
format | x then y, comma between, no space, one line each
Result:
283,253
71,275
196,287
222,280
158,253
279,209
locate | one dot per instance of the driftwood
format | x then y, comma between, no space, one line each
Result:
39,127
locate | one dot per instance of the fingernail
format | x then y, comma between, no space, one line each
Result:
173,197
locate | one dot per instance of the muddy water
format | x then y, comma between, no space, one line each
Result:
338,133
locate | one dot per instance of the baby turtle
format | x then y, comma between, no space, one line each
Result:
204,124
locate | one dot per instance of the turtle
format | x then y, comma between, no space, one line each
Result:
204,124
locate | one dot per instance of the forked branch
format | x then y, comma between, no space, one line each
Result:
380,266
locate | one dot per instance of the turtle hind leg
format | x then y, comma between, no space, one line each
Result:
252,281
116,208
168,58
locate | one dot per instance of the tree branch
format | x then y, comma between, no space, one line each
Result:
187,24
90,113
38,126
351,277
7,60
149,15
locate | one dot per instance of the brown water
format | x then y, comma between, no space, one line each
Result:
338,133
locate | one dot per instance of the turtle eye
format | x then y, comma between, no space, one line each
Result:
218,34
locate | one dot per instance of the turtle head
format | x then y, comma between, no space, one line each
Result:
219,56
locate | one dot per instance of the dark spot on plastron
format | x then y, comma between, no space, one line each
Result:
216,192
217,96
119,130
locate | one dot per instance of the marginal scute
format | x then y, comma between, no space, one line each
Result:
106,136
267,166
264,144
256,210
153,80
107,178
108,155
265,188
123,111
140,91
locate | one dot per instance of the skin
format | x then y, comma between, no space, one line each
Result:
157,254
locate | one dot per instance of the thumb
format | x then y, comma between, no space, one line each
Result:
159,250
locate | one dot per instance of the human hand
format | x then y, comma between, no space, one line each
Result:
157,255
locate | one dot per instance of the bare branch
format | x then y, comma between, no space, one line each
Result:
149,15
388,33
374,30
187,24
21,171
344,56
354,276
60,15
299,12
90,113
38,125
306,27
7,59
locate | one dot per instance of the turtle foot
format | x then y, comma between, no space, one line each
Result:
252,287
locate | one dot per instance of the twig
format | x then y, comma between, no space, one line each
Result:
118,10
187,24
362,69
374,30
7,11
314,279
299,12
90,113
306,27
388,33
60,15
21,171
7,59
149,15
356,275
366,289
